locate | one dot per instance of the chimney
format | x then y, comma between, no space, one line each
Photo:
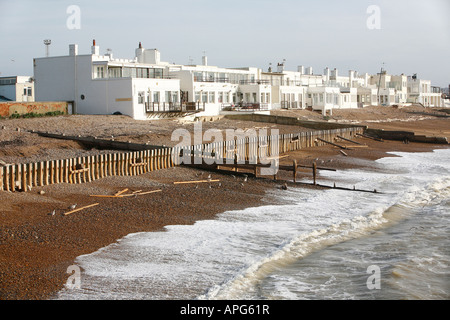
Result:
73,49
95,50
139,52
351,77
205,60
326,73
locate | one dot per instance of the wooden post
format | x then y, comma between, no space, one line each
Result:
114,164
56,168
24,177
97,167
6,173
41,173
35,174
120,164
87,165
102,165
1,178
79,165
314,172
294,165
29,174
65,171
127,164
158,165
50,170
12,178
109,164
46,172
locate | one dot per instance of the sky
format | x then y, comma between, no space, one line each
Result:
402,36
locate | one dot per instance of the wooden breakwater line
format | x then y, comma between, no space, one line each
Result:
25,176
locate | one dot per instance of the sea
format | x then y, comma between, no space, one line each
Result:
329,244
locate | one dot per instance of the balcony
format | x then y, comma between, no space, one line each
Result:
290,105
258,82
211,79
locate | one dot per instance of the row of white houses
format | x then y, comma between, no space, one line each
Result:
145,86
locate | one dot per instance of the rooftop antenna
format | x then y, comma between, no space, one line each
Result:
47,43
379,83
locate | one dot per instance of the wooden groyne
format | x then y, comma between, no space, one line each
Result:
408,136
25,176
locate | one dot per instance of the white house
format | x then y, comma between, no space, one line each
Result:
100,84
144,86
17,88
421,91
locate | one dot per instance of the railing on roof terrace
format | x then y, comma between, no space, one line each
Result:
254,82
212,79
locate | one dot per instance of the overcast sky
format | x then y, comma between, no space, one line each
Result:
408,36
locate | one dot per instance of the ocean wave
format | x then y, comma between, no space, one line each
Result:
347,229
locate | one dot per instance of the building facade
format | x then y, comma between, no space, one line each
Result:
17,88
144,86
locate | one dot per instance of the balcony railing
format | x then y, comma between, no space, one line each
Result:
254,82
213,79
151,107
290,105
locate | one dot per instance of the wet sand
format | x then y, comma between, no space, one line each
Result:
36,248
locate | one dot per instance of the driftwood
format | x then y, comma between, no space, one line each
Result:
91,205
198,181
136,193
120,192
356,142
343,152
334,144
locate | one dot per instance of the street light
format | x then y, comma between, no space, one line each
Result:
47,43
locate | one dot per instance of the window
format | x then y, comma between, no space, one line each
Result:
174,96
212,97
220,97
141,97
197,96
156,73
204,97
114,72
142,73
100,72
156,96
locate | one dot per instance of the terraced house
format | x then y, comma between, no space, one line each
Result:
147,88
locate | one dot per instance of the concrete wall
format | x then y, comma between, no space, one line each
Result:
9,108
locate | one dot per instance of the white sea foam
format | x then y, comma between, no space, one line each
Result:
240,252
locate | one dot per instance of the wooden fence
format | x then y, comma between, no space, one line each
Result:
24,176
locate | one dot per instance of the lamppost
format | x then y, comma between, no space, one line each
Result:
47,43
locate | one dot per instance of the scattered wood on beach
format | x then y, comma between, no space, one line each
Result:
121,195
120,192
197,181
79,209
